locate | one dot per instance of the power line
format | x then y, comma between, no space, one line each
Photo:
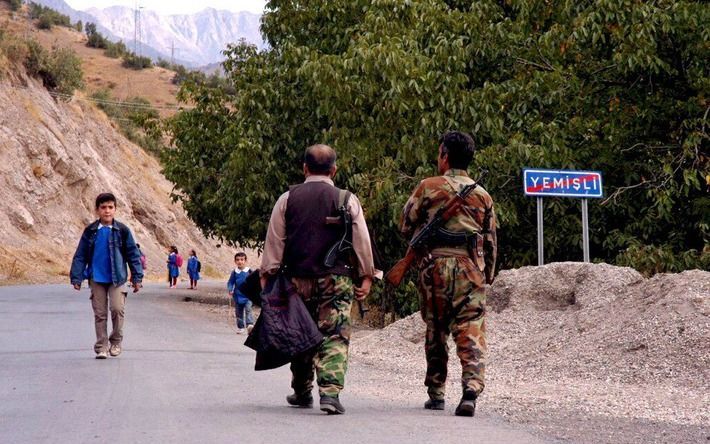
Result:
137,105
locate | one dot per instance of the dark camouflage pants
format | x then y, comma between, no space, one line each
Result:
453,301
329,299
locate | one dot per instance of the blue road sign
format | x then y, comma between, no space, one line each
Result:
562,183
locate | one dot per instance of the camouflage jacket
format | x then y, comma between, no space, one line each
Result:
476,217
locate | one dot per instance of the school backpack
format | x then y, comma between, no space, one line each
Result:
178,260
144,262
199,266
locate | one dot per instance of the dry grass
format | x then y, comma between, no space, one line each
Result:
100,72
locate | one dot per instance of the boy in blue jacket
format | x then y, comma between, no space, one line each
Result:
242,304
105,248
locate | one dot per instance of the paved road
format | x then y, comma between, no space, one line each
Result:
181,378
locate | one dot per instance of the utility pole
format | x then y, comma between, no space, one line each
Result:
137,31
172,52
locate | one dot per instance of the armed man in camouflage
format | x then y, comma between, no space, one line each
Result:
453,272
304,225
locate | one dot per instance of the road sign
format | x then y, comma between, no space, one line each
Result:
562,183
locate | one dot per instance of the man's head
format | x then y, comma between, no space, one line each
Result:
455,151
319,160
105,207
240,259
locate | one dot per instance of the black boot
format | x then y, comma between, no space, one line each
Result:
331,405
467,406
434,404
302,400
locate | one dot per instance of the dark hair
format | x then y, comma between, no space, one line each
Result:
240,254
320,159
194,253
138,245
105,197
174,249
459,147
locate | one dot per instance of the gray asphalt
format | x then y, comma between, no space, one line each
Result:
181,378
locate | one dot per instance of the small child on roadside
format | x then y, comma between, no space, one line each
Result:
242,304
173,266
193,269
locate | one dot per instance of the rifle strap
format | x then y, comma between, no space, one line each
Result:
343,198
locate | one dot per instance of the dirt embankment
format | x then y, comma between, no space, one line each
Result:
55,157
586,352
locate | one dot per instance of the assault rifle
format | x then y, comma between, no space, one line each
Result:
343,245
420,241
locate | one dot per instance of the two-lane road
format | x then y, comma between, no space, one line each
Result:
181,378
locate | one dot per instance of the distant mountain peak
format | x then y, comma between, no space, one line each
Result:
195,39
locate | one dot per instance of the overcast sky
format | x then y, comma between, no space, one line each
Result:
174,6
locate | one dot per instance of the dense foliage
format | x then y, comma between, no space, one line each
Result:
60,69
618,86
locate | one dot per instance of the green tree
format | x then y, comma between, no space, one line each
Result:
611,85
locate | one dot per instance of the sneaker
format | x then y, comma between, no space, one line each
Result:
331,405
434,404
467,406
240,331
250,327
101,355
303,400
115,350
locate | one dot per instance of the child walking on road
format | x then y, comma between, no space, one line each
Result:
173,266
105,248
242,304
193,269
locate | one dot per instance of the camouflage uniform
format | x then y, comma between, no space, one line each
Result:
451,281
331,297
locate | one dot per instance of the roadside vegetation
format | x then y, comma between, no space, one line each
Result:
59,69
617,87
136,118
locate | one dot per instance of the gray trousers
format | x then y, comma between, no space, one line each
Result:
103,297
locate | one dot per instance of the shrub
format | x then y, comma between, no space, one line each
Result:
48,17
45,22
115,50
133,61
95,38
79,26
15,5
137,120
59,70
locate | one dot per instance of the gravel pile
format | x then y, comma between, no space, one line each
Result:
586,352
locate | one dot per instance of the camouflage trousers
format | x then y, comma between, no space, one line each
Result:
329,300
453,301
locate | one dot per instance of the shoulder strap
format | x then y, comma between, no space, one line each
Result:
343,198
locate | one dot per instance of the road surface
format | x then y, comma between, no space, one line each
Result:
182,377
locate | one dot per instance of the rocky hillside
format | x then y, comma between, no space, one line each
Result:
55,157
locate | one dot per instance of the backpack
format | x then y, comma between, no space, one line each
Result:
178,260
144,262
199,266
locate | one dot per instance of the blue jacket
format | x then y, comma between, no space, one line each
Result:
123,251
235,279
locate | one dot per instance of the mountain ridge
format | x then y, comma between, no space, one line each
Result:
194,40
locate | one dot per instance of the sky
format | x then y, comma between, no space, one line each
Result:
174,6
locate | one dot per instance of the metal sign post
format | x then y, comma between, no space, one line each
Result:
540,237
562,183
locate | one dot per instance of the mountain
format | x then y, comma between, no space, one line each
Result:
198,39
